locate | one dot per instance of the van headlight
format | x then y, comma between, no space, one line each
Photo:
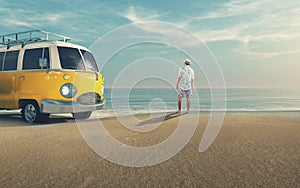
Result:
68,90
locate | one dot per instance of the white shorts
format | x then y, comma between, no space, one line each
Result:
184,93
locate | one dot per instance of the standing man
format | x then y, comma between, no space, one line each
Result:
185,84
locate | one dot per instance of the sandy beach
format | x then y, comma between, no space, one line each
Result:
257,149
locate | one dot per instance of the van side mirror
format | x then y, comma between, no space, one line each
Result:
43,62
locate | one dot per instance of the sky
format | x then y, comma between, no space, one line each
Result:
255,43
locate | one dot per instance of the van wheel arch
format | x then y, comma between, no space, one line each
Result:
29,105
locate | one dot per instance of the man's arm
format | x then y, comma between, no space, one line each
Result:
193,86
178,80
193,79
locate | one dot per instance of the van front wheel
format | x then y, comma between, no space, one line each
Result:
31,113
82,115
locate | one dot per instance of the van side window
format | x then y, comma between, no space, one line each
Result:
89,61
70,58
32,56
1,60
11,60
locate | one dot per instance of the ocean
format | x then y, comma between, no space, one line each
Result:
140,100
144,101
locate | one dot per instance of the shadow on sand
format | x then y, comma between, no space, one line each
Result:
15,119
161,118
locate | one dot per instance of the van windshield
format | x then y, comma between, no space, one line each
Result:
70,58
89,61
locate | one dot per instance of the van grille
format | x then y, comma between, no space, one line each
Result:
89,98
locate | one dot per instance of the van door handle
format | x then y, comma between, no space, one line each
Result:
21,77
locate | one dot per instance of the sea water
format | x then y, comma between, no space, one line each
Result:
149,100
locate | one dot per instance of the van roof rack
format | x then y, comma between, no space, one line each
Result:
31,36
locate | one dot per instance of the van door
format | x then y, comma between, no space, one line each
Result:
8,67
32,82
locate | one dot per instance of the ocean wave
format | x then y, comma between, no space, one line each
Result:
110,113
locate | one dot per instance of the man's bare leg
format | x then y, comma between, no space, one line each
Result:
188,103
179,104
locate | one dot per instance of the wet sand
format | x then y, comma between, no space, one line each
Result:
251,150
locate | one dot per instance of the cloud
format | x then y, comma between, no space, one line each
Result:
266,55
230,9
157,27
251,21
243,21
251,24
131,15
15,23
138,14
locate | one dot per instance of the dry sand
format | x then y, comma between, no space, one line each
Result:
251,150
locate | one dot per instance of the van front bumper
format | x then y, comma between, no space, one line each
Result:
57,107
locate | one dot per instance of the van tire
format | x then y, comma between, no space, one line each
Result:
82,115
31,113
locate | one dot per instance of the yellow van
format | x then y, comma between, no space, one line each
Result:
41,73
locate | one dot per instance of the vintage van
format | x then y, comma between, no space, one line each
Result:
41,73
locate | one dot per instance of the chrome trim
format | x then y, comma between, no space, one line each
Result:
56,107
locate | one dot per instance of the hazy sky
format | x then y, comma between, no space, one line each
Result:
256,43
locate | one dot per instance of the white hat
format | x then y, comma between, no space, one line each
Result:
187,61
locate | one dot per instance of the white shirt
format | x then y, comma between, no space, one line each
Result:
186,75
